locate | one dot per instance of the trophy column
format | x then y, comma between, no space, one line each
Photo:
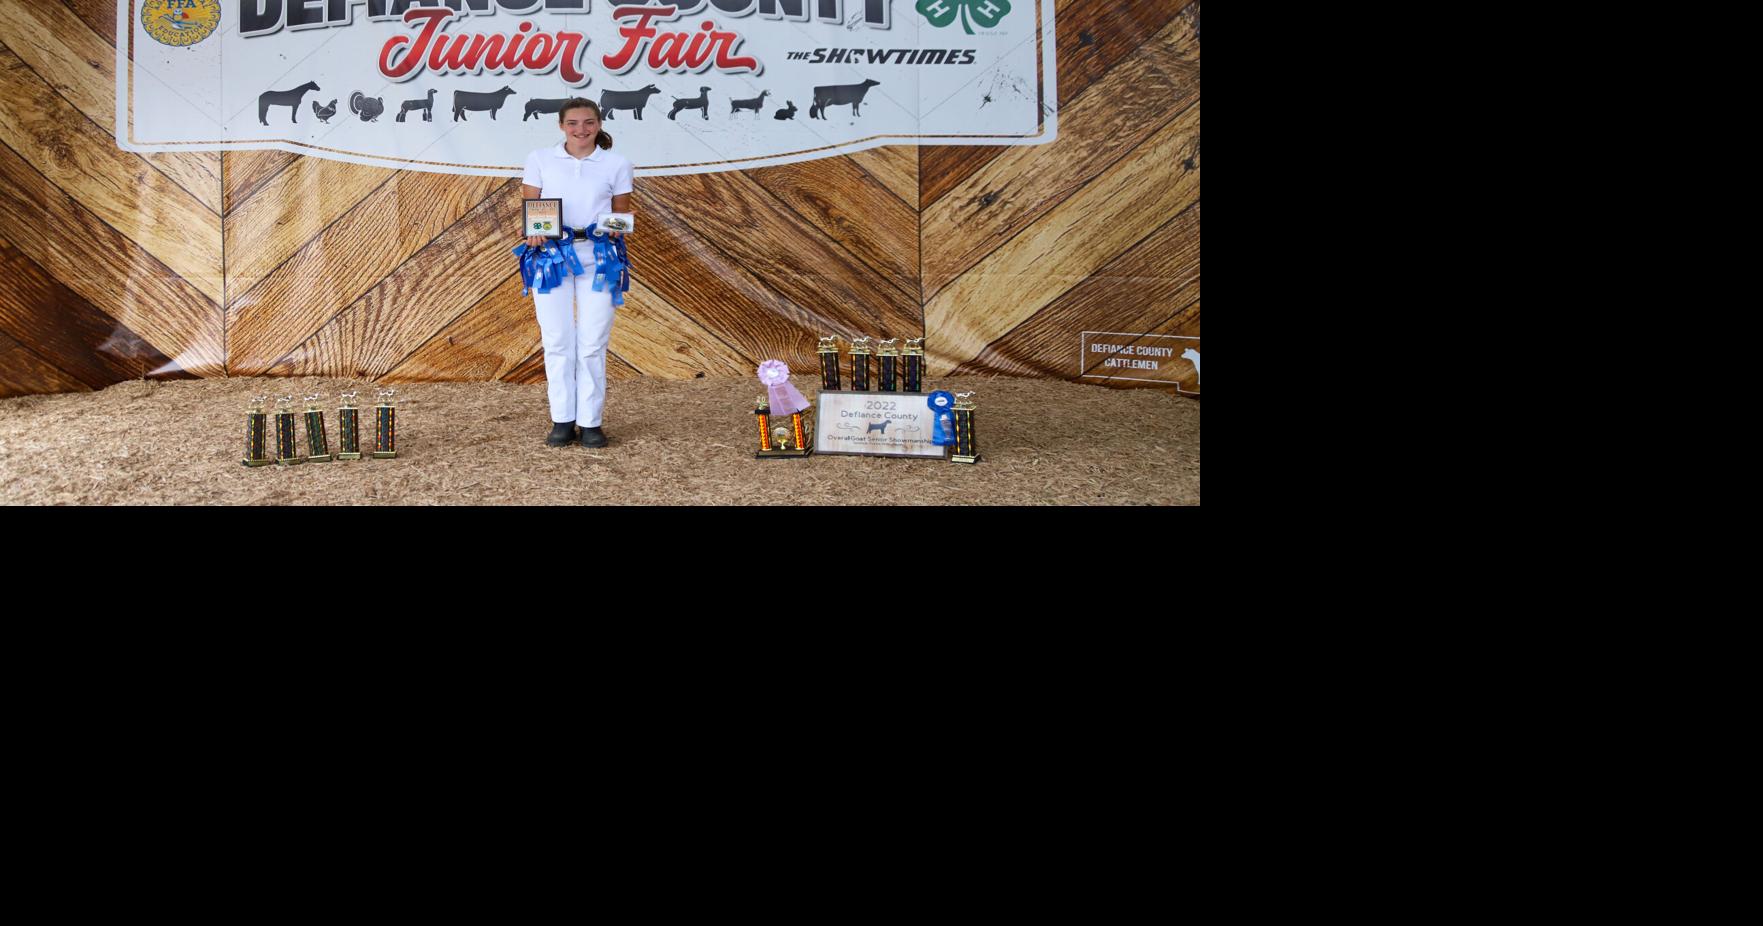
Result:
348,429
966,449
385,430
287,444
913,359
829,364
763,412
889,356
256,434
318,446
860,365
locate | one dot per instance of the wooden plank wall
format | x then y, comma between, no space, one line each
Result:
265,263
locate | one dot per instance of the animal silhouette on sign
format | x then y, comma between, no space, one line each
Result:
839,95
288,98
367,107
464,100
427,106
324,113
1194,355
783,114
633,100
535,107
735,106
881,426
701,102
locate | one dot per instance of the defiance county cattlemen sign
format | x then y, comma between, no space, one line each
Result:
688,86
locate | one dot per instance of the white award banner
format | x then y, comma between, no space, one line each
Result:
692,86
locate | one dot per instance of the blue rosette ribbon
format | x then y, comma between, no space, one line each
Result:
942,404
611,265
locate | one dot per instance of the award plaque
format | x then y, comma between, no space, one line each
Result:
287,445
883,424
913,359
889,355
860,364
385,427
542,217
256,434
318,447
829,364
966,451
348,429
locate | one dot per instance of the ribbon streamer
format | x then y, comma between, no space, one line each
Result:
786,399
941,404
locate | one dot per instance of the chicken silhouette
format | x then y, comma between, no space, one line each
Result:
324,113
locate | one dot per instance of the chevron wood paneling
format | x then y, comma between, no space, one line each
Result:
267,263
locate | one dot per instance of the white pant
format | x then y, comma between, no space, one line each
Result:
575,323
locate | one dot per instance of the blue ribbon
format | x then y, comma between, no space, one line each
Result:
611,265
544,267
942,403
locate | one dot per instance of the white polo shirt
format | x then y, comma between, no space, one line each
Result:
586,185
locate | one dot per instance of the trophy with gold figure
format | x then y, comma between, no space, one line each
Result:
912,358
287,444
966,450
889,355
348,428
256,433
385,428
829,364
318,447
860,364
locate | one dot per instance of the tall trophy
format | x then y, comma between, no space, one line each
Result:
385,427
287,444
762,414
829,364
256,434
889,355
318,447
860,364
781,398
912,357
348,429
966,450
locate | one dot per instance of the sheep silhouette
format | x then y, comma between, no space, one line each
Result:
700,102
426,105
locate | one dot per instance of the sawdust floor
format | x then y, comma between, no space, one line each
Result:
673,442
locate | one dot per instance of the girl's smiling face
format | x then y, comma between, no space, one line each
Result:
581,126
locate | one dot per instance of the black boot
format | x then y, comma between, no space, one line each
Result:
593,437
561,434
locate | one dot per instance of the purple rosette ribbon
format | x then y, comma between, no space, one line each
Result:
785,399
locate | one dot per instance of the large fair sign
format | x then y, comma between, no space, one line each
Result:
686,86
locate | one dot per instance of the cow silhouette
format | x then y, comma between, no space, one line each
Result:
464,100
839,95
633,100
1194,355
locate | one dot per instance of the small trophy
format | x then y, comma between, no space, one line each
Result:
287,445
385,428
318,447
348,429
256,434
913,358
966,451
542,217
783,398
829,364
860,364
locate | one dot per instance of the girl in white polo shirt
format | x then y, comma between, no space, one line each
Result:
575,323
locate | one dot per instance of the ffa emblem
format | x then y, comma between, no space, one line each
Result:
180,22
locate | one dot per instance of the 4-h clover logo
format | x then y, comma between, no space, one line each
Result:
985,12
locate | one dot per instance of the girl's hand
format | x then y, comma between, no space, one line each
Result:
535,241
